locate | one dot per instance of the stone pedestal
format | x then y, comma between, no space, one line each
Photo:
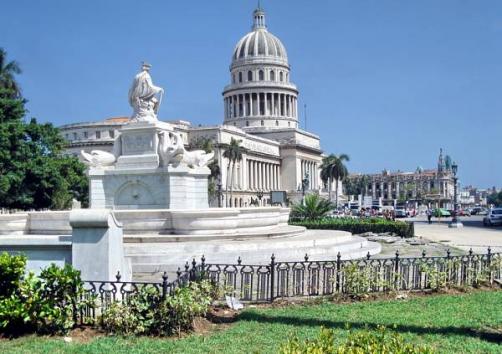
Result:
137,181
97,245
139,143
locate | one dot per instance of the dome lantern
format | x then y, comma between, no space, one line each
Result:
259,19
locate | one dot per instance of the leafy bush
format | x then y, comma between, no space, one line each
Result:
12,268
359,226
45,304
360,342
146,313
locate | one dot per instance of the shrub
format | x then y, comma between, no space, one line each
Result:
360,342
12,268
62,298
45,304
136,315
147,313
359,226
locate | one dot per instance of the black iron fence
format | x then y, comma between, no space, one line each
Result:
264,283
101,294
305,278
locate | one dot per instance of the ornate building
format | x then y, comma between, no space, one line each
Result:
260,110
433,186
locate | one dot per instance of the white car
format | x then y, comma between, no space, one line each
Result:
493,217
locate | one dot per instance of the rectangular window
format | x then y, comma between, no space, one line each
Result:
85,135
112,133
74,136
98,134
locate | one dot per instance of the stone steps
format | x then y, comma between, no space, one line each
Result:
155,258
274,232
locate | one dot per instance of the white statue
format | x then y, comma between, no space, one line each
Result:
99,158
171,149
172,152
144,96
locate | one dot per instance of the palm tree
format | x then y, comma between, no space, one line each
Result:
313,207
333,169
7,72
234,154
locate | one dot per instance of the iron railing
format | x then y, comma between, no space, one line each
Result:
255,283
101,294
265,283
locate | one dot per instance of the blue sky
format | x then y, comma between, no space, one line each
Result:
387,82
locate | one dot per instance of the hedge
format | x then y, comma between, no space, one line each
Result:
359,226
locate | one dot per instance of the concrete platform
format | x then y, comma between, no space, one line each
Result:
150,259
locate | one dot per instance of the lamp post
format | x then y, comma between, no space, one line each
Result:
219,192
305,185
455,222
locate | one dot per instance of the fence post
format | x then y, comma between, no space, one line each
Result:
489,263
193,271
272,277
396,271
338,265
164,285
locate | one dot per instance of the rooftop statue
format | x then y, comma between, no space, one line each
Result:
144,96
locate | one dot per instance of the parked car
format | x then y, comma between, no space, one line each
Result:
440,212
493,217
400,213
478,211
463,212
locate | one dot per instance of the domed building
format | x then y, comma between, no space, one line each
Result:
260,94
260,111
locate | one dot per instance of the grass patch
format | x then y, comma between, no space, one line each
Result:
450,323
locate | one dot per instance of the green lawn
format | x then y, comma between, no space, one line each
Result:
452,324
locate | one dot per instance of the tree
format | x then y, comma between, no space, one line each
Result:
495,198
7,72
334,169
34,173
233,153
314,207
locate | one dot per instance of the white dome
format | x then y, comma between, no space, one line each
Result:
259,44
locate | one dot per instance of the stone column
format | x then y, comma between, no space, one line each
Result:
258,101
273,104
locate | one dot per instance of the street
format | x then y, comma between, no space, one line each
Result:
473,235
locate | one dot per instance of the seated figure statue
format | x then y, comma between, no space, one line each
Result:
144,96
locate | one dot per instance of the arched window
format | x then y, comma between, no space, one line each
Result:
281,77
272,75
262,123
289,124
261,76
247,123
240,76
276,123
233,78
250,76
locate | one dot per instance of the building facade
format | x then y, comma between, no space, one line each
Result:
433,186
260,111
